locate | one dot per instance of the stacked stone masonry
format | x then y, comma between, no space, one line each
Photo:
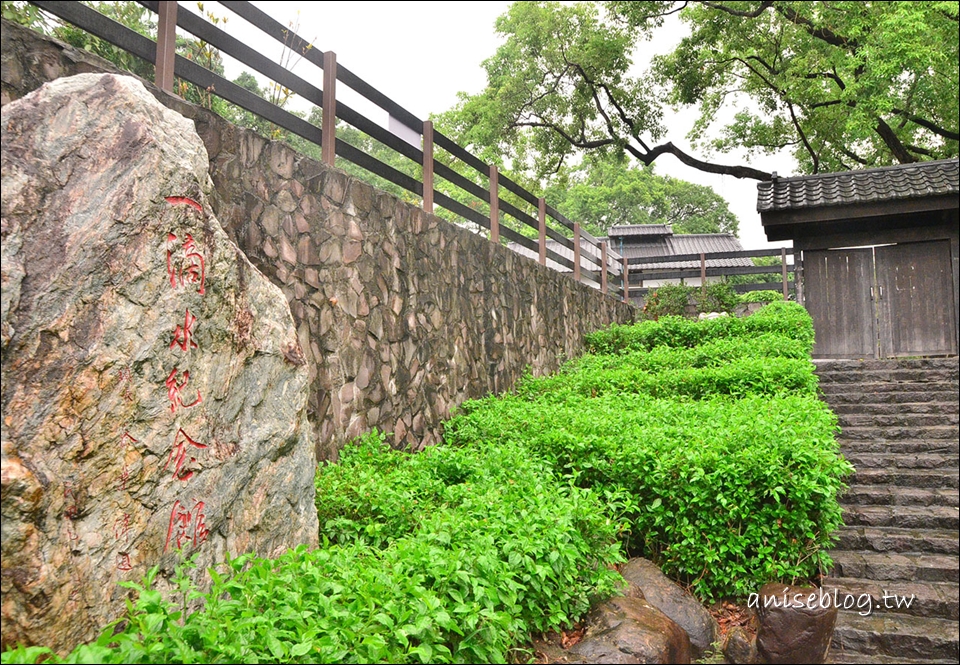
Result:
401,315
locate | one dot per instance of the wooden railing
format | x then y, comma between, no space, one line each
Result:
640,270
602,267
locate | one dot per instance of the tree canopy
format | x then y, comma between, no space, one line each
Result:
602,193
841,84
844,84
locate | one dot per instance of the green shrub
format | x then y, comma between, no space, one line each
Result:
450,555
711,429
711,353
717,297
724,494
766,295
786,318
667,300
737,378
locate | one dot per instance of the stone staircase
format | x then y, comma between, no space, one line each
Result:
900,430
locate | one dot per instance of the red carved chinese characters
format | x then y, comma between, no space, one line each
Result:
121,528
124,375
186,266
183,200
200,530
183,335
178,455
71,508
187,526
123,561
174,390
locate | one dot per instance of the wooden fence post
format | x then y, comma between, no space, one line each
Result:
626,279
703,274
427,166
798,275
494,204
542,218
166,45
576,251
603,267
783,268
328,125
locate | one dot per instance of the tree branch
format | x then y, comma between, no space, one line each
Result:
824,34
918,150
646,17
923,122
854,156
766,4
596,98
889,137
735,171
582,143
803,137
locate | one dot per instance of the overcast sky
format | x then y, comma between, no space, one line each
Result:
421,54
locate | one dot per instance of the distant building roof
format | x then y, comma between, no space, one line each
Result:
667,245
693,243
640,230
888,183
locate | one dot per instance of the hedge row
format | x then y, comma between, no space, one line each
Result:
706,437
783,318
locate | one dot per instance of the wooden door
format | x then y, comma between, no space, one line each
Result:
838,285
916,304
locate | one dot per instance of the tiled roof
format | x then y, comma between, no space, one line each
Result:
665,246
694,243
640,230
889,183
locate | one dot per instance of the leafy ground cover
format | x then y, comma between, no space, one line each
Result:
708,435
450,555
766,295
700,445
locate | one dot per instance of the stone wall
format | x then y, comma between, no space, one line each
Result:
401,315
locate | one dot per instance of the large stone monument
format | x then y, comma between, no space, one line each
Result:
153,388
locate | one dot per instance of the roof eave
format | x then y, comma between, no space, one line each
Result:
787,223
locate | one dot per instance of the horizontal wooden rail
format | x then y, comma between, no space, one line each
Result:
640,291
743,254
687,273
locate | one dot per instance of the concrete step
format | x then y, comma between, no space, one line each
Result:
911,376
915,399
891,495
926,478
897,636
898,420
903,517
939,600
875,390
894,539
843,365
933,447
904,567
937,432
902,460
891,408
